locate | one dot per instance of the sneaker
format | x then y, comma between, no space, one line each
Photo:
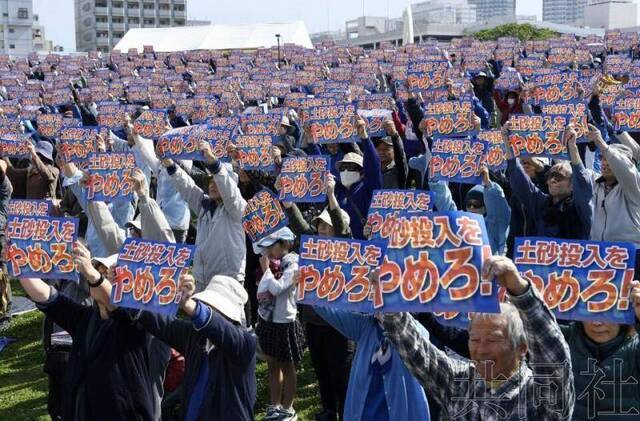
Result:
273,413
288,415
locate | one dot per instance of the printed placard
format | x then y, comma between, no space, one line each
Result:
151,124
626,114
580,280
255,152
375,121
538,135
27,207
41,247
77,143
303,179
148,273
263,215
110,176
457,160
332,124
448,119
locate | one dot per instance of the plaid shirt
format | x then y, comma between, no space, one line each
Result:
540,390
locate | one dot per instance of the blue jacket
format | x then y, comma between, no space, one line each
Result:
356,200
496,218
569,219
405,397
230,350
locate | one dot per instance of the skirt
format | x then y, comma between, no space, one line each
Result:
281,341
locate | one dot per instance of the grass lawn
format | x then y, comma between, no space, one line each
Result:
24,387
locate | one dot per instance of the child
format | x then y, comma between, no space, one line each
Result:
280,335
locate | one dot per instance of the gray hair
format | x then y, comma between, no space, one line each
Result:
515,327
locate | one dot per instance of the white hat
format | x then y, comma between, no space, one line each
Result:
106,261
285,121
226,295
351,157
135,223
282,234
326,217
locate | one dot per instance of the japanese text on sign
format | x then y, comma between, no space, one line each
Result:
110,176
302,179
263,215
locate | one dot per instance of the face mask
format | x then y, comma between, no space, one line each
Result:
93,108
511,101
348,178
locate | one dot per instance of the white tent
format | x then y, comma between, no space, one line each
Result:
216,37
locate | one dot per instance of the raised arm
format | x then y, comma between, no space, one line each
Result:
232,199
443,199
371,160
184,184
49,172
399,155
296,220
153,222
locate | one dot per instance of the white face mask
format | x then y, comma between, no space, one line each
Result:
348,178
511,101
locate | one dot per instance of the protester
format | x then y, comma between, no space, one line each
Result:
220,236
279,333
39,180
331,353
498,345
392,158
6,189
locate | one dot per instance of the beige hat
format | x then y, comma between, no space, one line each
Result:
106,261
326,218
226,295
351,157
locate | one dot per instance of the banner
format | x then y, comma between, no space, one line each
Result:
14,146
255,152
147,275
375,120
496,153
263,216
335,272
538,135
554,93
41,247
23,207
448,118
457,160
50,124
580,280
303,179
77,143
433,261
151,124
332,124
626,114
110,176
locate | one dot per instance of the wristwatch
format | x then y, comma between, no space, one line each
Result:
97,284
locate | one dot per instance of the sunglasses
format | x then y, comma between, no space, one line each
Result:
556,176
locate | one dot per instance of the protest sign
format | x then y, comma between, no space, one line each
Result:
626,114
457,160
41,247
418,81
255,152
263,216
332,124
50,124
148,273
375,120
24,207
14,145
183,142
448,118
580,280
77,143
110,176
151,124
554,93
262,123
433,261
508,81
335,272
537,135
303,179
496,152
576,112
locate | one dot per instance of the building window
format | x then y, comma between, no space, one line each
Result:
149,21
12,46
117,20
148,6
23,13
117,5
101,4
165,22
179,7
11,30
134,20
133,5
179,22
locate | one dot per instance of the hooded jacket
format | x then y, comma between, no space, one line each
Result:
220,236
616,214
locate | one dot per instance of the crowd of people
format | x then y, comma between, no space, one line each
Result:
238,303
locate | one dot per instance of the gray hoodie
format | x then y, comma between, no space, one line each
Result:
616,214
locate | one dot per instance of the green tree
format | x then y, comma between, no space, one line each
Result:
524,32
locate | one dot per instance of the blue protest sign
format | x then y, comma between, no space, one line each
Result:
433,262
537,135
110,176
375,120
255,152
448,119
263,215
580,280
457,160
14,146
41,247
151,123
24,207
77,143
302,179
147,275
332,123
335,272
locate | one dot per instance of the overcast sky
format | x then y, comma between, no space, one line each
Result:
319,15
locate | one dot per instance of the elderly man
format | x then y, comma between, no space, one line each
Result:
497,383
220,237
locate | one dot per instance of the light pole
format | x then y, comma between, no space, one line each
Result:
278,39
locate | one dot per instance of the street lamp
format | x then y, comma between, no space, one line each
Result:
278,39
